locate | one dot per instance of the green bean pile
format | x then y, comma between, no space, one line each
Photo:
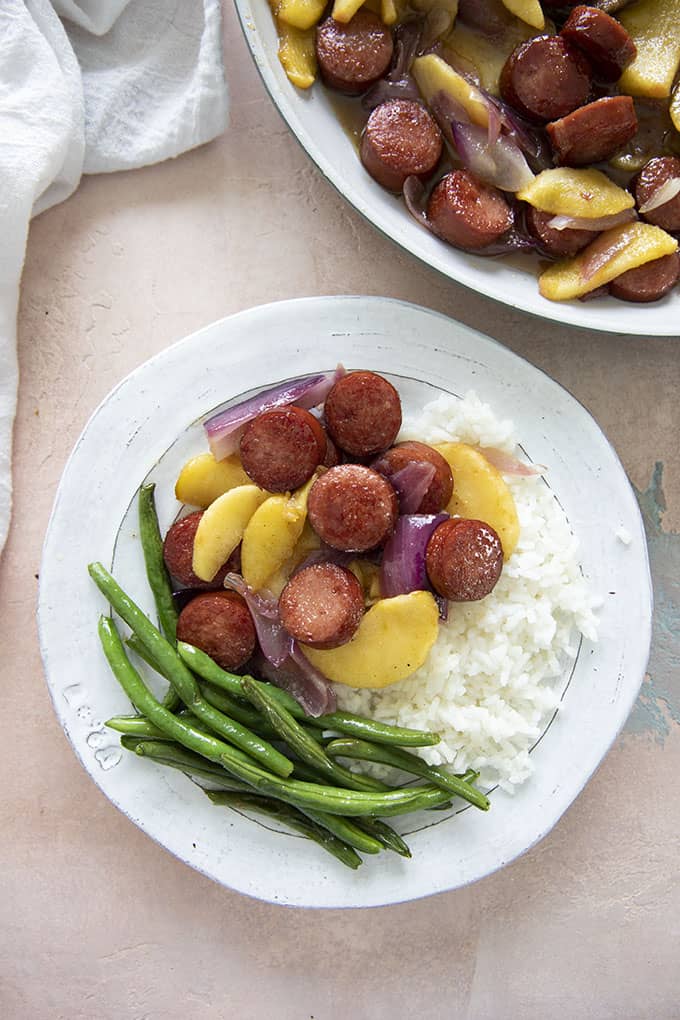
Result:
252,741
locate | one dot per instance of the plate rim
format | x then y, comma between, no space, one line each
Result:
572,313
323,302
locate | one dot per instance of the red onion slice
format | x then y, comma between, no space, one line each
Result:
274,641
665,193
403,563
501,163
602,250
317,696
414,197
509,465
224,429
596,225
411,483
300,679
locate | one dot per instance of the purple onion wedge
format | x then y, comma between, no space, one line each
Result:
403,563
224,429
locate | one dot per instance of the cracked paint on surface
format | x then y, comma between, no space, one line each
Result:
658,705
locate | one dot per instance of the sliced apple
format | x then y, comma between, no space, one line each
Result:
301,13
654,26
222,526
393,640
297,53
344,10
272,534
631,245
481,493
528,11
586,194
433,75
203,479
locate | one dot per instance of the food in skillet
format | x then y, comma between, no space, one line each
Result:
514,126
354,595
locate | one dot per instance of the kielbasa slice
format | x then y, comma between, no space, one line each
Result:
466,212
555,243
603,39
352,57
593,132
220,624
648,181
648,282
322,605
363,414
178,553
400,139
281,448
440,489
352,508
464,559
546,78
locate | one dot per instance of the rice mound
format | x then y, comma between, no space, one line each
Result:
488,686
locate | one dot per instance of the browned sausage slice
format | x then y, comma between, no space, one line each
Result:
440,489
400,139
466,212
555,243
353,56
352,508
603,39
594,132
178,553
545,78
281,448
648,181
464,559
220,624
363,414
648,282
322,605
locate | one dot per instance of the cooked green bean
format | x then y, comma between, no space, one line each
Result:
407,762
139,649
294,819
157,575
182,680
346,830
238,710
305,746
300,794
156,572
342,722
135,726
385,835
176,757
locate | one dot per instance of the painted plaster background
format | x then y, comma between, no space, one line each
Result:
98,922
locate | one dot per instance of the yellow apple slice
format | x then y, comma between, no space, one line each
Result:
203,479
222,526
272,534
393,640
584,194
481,493
528,11
632,245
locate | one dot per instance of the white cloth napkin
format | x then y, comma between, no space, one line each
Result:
113,85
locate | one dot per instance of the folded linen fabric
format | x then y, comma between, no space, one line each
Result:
91,86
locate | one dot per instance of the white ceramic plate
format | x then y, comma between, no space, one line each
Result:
150,424
311,117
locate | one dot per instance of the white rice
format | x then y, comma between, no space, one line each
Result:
489,685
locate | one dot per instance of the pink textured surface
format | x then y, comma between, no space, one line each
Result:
95,919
